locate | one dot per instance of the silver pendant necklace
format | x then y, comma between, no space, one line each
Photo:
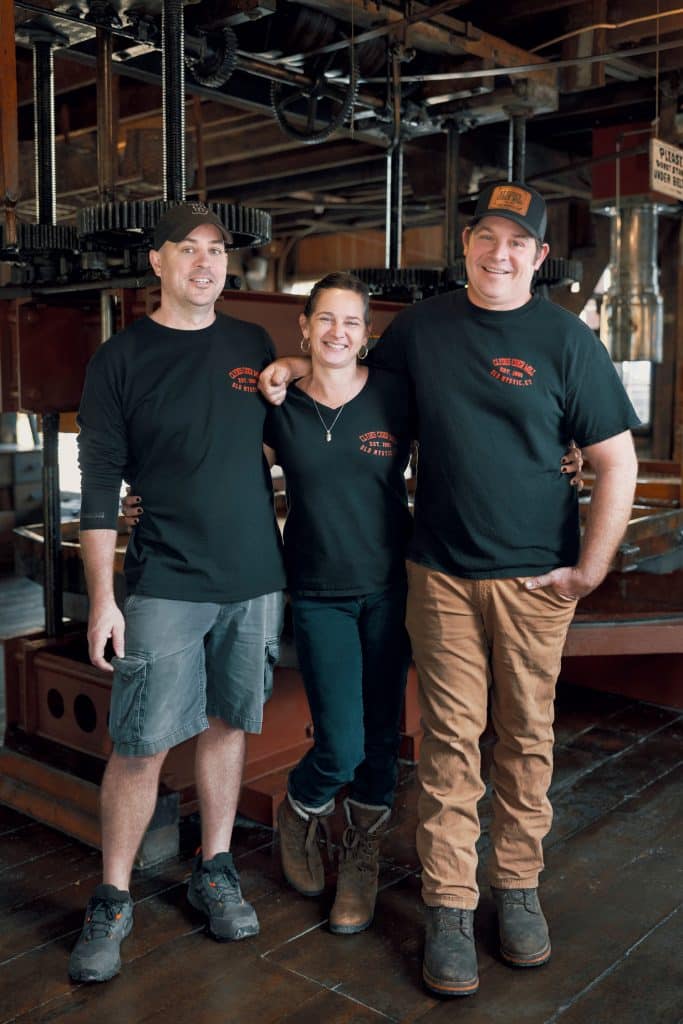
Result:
328,430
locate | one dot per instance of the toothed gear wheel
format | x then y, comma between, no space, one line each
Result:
404,284
127,224
455,276
42,239
215,69
292,102
556,271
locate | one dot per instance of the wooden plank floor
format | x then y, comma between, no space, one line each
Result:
612,891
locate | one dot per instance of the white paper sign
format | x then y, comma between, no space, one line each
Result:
666,168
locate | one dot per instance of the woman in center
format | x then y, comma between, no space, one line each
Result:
343,439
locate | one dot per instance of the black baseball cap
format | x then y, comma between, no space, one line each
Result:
178,221
516,201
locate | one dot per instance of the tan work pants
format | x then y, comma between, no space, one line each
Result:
470,637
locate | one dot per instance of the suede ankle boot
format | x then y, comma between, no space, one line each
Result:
354,904
300,830
449,967
524,939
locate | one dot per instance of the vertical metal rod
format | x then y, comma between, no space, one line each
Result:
52,584
201,149
106,144
387,213
9,137
394,229
173,75
46,211
106,315
451,221
44,129
518,147
394,208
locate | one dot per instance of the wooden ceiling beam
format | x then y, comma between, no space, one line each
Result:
522,9
251,181
447,38
592,103
580,77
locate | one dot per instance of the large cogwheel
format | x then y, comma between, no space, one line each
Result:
312,113
217,66
128,224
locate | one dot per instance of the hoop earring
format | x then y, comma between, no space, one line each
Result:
305,346
362,352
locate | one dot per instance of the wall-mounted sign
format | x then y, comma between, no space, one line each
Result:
666,168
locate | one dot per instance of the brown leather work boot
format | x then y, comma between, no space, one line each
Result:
302,861
354,904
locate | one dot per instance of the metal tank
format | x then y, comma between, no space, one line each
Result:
631,314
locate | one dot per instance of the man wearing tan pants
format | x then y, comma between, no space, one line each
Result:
503,380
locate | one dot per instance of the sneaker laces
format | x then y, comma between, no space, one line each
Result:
222,884
103,913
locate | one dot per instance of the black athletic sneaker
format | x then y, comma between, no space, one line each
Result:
214,889
108,920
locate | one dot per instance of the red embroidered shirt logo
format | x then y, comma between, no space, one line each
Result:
513,371
244,378
378,442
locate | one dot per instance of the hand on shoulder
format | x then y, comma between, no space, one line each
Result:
273,381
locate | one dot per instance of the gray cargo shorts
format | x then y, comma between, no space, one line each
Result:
186,661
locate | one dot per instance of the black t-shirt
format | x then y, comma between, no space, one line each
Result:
499,394
177,414
348,522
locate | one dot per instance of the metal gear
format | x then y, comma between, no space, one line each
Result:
404,284
556,271
214,69
131,224
455,276
410,284
41,239
44,254
336,105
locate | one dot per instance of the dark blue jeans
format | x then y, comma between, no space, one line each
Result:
353,654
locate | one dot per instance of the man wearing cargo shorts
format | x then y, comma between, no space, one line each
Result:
170,404
503,380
